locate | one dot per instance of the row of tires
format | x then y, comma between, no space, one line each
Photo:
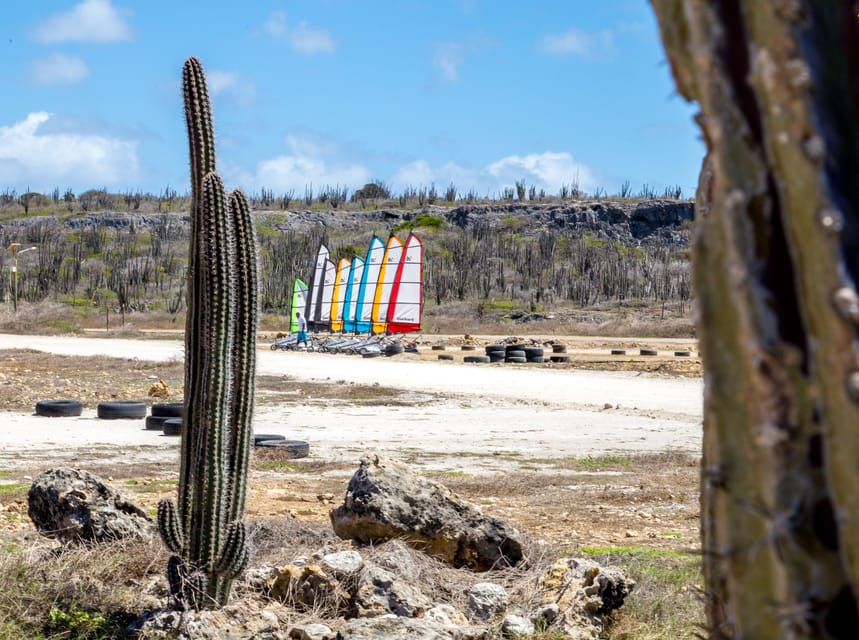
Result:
165,417
111,410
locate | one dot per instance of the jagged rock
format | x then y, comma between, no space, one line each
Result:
446,615
487,600
309,586
342,564
311,632
239,621
380,593
72,505
385,500
394,628
517,627
584,593
397,556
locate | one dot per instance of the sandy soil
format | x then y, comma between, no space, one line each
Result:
507,436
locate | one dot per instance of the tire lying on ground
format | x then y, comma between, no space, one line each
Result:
468,347
647,352
533,352
445,356
517,359
559,348
618,352
683,354
121,409
516,353
58,408
168,409
495,356
172,427
371,354
559,358
476,359
267,437
494,348
156,423
437,347
536,359
287,448
393,349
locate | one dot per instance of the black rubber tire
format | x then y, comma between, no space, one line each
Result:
683,354
265,437
647,352
559,348
287,448
496,356
516,353
533,352
371,354
559,358
491,348
513,347
156,423
437,347
168,409
393,349
618,352
172,427
121,409
536,359
516,359
476,359
58,408
274,347
468,347
445,356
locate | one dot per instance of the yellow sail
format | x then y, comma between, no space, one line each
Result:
337,295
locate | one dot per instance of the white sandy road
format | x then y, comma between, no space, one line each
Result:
518,414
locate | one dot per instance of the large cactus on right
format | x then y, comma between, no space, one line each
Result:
204,529
776,265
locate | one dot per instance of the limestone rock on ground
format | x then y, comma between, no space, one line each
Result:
385,500
487,600
72,505
238,621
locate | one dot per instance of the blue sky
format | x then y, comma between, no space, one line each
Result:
480,93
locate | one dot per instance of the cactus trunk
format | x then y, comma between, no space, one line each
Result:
775,265
205,530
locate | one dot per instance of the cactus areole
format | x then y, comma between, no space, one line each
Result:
203,528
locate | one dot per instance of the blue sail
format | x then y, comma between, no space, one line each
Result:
350,301
367,286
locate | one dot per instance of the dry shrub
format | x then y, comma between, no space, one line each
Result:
46,588
44,318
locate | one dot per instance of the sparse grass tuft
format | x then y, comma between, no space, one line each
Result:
666,602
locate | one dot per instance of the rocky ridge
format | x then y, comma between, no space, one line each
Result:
631,222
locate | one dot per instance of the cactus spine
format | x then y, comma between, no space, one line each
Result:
204,528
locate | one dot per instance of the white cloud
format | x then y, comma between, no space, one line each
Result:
576,42
58,69
548,170
45,160
89,21
301,38
449,56
233,84
307,162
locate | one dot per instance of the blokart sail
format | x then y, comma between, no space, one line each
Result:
367,288
327,294
390,263
350,302
299,302
404,310
313,310
341,279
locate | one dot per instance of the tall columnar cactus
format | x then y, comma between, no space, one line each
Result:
204,529
776,268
